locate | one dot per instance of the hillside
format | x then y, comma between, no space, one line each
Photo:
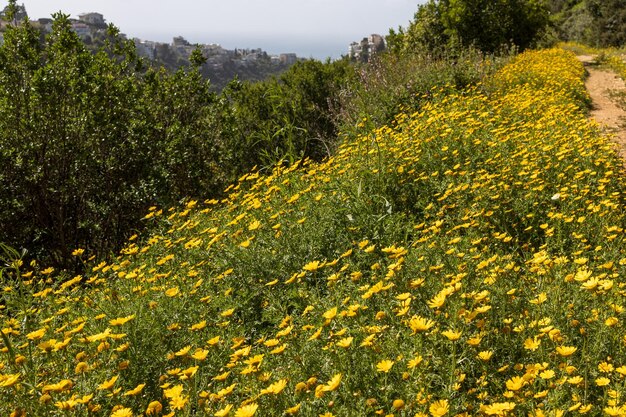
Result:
467,259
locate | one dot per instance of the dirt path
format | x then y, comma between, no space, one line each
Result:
605,110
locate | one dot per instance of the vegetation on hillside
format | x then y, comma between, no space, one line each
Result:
592,22
89,141
438,232
485,24
491,25
463,260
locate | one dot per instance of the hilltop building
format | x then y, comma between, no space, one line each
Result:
288,59
82,29
145,49
368,47
45,24
180,41
95,19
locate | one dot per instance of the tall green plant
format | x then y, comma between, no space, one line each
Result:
485,24
90,141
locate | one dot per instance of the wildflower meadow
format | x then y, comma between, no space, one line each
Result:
465,260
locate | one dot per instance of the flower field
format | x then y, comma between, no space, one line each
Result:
467,260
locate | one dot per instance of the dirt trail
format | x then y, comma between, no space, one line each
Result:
605,110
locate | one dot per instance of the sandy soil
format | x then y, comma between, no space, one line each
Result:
605,110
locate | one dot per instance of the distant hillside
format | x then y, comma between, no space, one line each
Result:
221,66
594,22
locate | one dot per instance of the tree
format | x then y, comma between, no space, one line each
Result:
88,141
608,22
485,24
14,12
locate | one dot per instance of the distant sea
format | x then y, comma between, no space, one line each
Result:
305,47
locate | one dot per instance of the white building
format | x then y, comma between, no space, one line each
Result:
288,59
82,29
92,18
145,48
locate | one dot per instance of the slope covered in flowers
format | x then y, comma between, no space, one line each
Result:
467,260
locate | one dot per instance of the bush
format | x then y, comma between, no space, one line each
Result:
89,141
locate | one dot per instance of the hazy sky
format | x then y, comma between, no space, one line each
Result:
317,28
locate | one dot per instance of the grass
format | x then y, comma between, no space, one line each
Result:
466,259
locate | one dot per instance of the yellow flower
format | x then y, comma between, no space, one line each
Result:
188,373
452,335
312,266
345,342
438,300
37,334
122,320
566,350
497,409
213,341
532,344
172,292
221,377
515,383
605,367
275,388
135,390
254,225
575,380
485,355
198,326
602,381
184,351
108,384
279,349
330,314
246,410
175,391
200,354
397,404
384,365
63,385
333,384
122,412
225,392
293,410
100,336
420,324
224,411
413,363
615,411
439,408
368,341
178,402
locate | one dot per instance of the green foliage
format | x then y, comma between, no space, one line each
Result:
285,118
87,142
394,82
592,22
466,258
486,24
90,139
